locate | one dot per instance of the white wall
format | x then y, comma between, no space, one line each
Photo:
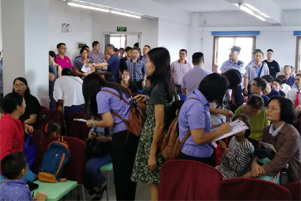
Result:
87,26
174,36
107,22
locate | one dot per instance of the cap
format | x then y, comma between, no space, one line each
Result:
257,50
235,48
270,50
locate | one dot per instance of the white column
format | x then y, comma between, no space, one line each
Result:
25,45
195,35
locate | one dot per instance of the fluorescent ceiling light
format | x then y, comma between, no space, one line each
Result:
249,11
125,14
88,7
256,10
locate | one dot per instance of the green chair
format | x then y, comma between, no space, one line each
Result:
107,168
55,191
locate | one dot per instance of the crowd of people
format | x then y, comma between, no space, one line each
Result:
102,85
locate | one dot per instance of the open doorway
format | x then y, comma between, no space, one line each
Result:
122,40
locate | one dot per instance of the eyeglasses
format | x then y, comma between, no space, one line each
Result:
63,48
19,85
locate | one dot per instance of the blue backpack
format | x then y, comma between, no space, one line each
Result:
54,161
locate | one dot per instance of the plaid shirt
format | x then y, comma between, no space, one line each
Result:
137,69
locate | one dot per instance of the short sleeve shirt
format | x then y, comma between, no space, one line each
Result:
237,65
107,102
194,114
113,66
252,71
158,95
64,63
273,67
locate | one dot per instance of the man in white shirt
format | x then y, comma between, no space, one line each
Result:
294,94
68,93
192,78
179,68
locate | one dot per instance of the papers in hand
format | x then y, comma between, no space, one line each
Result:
86,69
80,119
237,126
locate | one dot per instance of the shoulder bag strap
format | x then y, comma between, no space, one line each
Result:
117,115
116,95
261,68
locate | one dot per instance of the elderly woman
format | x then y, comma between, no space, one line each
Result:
284,137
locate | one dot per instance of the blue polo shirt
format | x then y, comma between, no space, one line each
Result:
194,114
290,81
113,66
273,93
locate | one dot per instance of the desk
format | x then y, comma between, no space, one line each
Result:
55,191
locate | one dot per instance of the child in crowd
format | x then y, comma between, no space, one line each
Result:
13,167
237,159
52,130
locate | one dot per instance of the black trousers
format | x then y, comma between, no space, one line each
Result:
123,157
138,84
208,161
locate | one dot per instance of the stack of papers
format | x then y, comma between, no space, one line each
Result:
237,126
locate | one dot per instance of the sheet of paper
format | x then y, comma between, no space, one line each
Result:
86,69
41,196
237,126
80,119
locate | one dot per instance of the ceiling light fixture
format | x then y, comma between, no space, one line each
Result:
88,7
256,10
248,10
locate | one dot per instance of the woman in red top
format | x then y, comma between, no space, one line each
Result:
11,128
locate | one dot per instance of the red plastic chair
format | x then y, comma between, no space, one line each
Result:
79,129
252,189
46,115
295,189
188,180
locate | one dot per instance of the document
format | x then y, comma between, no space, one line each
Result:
86,69
80,119
237,126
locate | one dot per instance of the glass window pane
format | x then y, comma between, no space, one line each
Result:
223,49
246,44
115,41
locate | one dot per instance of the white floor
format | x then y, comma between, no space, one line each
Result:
142,192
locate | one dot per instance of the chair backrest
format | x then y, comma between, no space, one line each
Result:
188,180
76,167
46,115
79,129
252,189
295,189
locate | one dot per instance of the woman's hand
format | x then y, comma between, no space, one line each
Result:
28,129
257,170
152,162
227,113
104,138
92,136
90,123
140,98
224,128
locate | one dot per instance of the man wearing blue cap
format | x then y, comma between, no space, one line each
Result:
233,62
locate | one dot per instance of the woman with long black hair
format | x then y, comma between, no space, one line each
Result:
148,160
100,102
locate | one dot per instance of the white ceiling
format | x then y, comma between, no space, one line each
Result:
220,5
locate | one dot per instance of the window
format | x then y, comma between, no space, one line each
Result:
298,54
223,44
118,41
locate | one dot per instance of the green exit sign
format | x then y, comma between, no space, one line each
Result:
121,28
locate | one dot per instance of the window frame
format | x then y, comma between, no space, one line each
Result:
215,43
298,40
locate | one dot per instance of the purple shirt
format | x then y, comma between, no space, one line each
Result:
178,70
97,57
12,190
191,80
107,102
194,114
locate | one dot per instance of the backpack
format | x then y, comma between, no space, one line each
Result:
169,142
137,115
54,161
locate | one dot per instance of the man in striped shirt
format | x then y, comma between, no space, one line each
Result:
137,69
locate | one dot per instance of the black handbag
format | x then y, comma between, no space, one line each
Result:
97,149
